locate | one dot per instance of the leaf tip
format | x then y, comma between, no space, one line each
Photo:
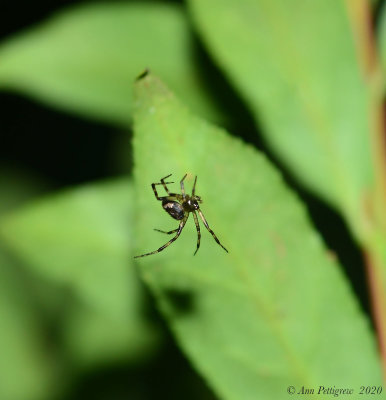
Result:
143,74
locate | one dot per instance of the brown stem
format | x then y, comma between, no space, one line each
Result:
361,19
378,303
363,32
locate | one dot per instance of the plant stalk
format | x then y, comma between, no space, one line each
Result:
374,204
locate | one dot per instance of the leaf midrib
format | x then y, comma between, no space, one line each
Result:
260,308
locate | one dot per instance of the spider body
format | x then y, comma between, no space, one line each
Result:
179,207
174,209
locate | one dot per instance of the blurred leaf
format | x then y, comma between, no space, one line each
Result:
27,368
81,240
297,65
18,186
27,371
273,312
86,58
95,337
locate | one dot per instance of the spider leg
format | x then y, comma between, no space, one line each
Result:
167,176
182,185
153,186
210,230
168,233
171,197
198,231
194,186
165,183
181,226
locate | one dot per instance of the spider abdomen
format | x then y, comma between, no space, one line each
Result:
173,208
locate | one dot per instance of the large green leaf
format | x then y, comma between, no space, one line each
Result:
297,65
27,369
85,59
276,310
81,240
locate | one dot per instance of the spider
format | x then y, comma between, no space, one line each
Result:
179,206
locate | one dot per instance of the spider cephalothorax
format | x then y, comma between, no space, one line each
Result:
179,206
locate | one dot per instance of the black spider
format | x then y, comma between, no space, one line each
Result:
179,206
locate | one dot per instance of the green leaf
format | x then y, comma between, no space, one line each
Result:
95,337
27,367
81,240
301,76
27,370
276,310
18,186
86,58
